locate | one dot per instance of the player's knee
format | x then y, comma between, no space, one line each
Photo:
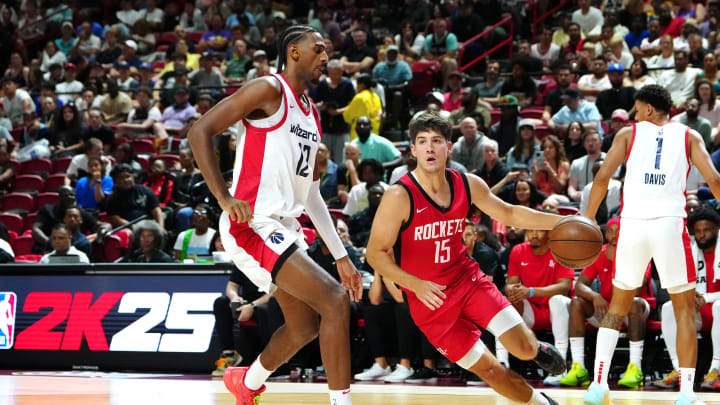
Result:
337,305
492,374
637,307
558,303
526,349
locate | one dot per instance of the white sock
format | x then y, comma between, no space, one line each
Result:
715,334
687,380
606,341
501,353
577,348
636,350
560,321
562,347
669,331
537,399
340,397
256,375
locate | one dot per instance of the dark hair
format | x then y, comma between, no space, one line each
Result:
154,228
713,93
62,226
518,147
376,166
178,55
534,200
430,122
643,67
120,169
144,89
366,80
74,127
95,159
655,95
703,213
566,138
589,132
127,148
46,84
291,35
4,234
681,51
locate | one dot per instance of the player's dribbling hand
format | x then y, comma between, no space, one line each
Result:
601,306
239,210
430,294
350,278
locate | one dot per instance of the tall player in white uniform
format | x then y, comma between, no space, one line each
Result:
652,226
274,180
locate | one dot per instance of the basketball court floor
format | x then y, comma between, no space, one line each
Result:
89,388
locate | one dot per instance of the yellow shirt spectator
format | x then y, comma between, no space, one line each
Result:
365,104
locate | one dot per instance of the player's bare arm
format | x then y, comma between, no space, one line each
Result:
392,213
700,157
518,292
251,101
614,158
508,214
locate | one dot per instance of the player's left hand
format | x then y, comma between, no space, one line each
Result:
350,278
699,301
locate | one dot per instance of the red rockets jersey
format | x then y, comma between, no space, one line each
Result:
430,245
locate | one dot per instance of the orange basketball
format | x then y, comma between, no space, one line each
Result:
575,242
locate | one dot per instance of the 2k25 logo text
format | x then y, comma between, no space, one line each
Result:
7,319
84,320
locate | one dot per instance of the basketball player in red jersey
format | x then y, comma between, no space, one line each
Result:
652,225
421,218
275,179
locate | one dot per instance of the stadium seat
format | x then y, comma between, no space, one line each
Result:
161,48
28,182
23,245
13,222
17,201
168,159
494,116
143,146
17,134
36,166
144,162
102,216
61,164
54,181
113,248
16,166
195,36
28,221
541,131
166,38
46,199
28,258
425,78
158,65
532,112
305,221
566,210
12,235
337,213
309,235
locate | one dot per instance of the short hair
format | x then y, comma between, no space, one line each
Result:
490,142
366,80
334,64
681,52
703,213
47,85
291,35
430,122
655,95
144,89
62,226
373,164
120,169
591,132
95,142
152,226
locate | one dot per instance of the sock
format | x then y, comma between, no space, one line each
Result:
636,350
537,399
687,379
560,321
606,341
501,353
577,348
340,397
669,331
562,347
256,375
715,334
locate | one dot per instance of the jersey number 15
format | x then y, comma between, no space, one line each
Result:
442,251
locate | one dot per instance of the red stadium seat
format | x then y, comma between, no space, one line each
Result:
143,146
158,65
61,164
46,199
36,166
195,36
337,213
169,160
494,116
102,216
144,162
17,134
28,182
166,38
309,235
541,131
17,201
28,258
28,221
13,222
532,112
23,245
564,210
12,235
113,248
54,181
161,48
16,166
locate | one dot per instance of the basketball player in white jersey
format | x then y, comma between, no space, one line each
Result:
274,181
652,226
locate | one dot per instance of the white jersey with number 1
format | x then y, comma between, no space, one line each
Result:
658,164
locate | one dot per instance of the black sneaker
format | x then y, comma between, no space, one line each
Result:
473,379
549,359
423,375
550,400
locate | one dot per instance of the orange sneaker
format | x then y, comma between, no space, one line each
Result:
234,379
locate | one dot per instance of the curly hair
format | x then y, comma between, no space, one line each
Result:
703,213
655,95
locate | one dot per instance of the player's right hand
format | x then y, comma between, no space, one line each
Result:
601,306
430,294
239,210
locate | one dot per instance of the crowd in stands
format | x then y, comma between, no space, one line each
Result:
96,100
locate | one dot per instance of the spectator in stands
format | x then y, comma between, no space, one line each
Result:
92,189
87,44
61,242
520,84
85,101
638,75
348,176
17,71
79,163
70,87
67,39
590,306
617,53
576,109
494,169
7,170
115,105
649,45
160,181
552,98
618,120
334,93
175,116
261,66
360,56
111,48
665,58
68,131
441,46
73,220
268,42
125,154
366,103
411,42
124,80
142,118
129,52
373,146
15,101
524,50
191,18
452,99
48,110
571,50
361,221
611,202
371,173
50,215
216,38
592,84
691,117
545,49
581,168
710,70
526,146
150,238
589,18
680,82
51,55
153,15
550,170
696,51
130,201
238,62
505,131
534,278
195,241
392,71
207,75
469,148
709,107
473,107
98,129
489,90
617,96
127,15
637,33
328,173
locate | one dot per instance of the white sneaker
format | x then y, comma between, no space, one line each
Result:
554,380
373,373
400,374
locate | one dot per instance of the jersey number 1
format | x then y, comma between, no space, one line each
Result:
442,251
303,165
658,153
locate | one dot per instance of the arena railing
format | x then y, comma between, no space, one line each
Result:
507,21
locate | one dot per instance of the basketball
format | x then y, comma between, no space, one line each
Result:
575,241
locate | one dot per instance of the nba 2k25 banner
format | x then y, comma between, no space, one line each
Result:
136,321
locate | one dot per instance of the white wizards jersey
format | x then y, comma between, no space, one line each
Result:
658,164
275,157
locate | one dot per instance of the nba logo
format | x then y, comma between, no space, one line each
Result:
8,301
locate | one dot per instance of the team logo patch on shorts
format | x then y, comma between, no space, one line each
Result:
276,237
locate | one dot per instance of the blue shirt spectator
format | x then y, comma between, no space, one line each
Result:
392,71
577,109
85,191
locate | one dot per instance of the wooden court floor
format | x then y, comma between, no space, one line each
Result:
117,389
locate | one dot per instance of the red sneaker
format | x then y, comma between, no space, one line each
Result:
234,379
